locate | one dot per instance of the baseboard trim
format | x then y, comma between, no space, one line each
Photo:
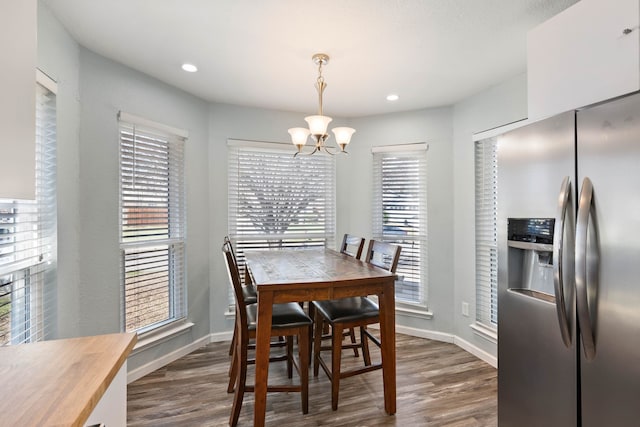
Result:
476,351
450,338
221,336
226,336
425,333
166,359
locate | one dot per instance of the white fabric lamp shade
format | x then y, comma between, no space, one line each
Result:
299,136
318,124
343,135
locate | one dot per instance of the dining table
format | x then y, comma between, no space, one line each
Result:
297,275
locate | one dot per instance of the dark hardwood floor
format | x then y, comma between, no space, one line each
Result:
438,385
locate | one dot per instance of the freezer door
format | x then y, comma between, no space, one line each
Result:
608,252
537,366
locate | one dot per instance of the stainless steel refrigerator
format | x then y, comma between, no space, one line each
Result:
569,269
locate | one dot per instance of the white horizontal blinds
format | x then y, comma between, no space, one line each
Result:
28,242
152,225
486,175
278,201
400,215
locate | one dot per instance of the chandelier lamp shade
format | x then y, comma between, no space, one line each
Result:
319,123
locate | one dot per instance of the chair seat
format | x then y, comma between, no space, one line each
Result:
289,315
250,295
347,309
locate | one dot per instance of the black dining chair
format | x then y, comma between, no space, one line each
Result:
289,320
346,313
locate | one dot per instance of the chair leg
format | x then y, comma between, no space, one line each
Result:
233,370
290,356
312,314
364,340
317,341
336,354
352,335
241,354
303,355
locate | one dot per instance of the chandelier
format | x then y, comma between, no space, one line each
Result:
318,124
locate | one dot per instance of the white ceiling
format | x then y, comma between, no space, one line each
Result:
258,52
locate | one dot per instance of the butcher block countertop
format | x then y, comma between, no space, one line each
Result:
59,382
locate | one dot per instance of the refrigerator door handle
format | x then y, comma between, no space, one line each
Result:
558,251
585,268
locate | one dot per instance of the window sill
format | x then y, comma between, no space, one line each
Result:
489,334
419,313
160,335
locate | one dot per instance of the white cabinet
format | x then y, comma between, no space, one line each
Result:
18,51
588,53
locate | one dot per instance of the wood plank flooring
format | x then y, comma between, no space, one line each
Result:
438,384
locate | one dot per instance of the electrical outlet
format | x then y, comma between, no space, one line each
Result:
465,309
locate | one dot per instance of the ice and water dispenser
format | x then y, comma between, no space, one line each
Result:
530,243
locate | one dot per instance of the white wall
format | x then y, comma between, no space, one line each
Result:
433,126
234,122
106,88
451,192
91,91
499,105
17,111
58,57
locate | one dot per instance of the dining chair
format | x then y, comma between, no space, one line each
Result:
248,290
289,320
351,312
250,297
351,245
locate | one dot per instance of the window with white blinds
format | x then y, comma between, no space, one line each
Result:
28,241
400,214
278,201
486,171
152,224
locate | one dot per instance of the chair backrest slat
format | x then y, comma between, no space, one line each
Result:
227,241
234,277
352,245
383,254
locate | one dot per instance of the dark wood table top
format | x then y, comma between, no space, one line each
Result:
309,267
317,274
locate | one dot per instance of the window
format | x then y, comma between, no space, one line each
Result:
400,214
486,170
278,201
28,239
152,223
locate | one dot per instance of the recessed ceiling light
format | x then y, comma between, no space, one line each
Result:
392,97
189,68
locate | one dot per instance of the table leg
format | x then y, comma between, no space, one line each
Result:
263,337
388,351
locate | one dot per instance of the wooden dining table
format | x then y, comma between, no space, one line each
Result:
295,275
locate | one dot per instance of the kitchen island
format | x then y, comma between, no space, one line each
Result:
66,382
